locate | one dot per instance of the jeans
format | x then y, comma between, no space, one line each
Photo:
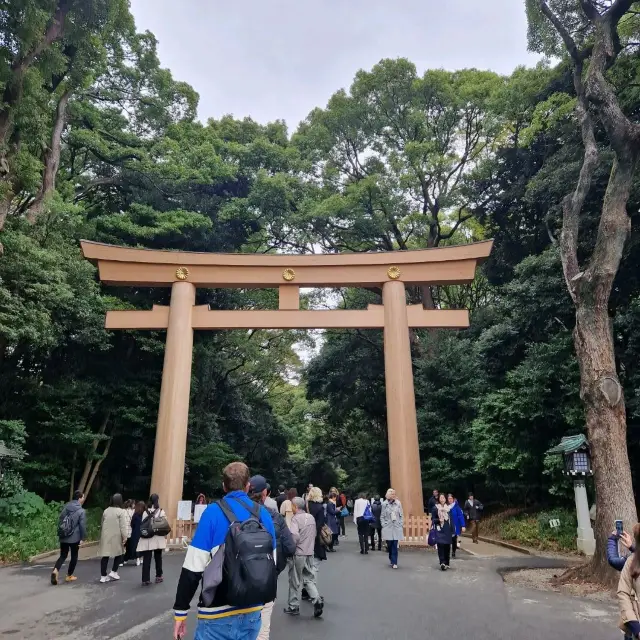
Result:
104,563
303,570
373,542
64,551
244,626
444,552
146,564
392,546
363,534
343,528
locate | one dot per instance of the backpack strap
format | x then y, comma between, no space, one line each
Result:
226,510
253,508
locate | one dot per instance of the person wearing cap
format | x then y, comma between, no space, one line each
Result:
285,545
303,569
269,502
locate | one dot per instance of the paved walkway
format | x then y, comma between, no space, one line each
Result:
365,600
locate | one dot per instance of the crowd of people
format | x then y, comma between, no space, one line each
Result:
238,584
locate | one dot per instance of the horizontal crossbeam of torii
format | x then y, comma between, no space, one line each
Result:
185,271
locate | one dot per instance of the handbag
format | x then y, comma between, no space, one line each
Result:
155,525
345,512
326,536
431,540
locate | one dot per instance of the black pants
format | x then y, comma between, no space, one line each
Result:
104,563
454,546
373,542
363,534
444,552
131,553
146,564
343,527
64,552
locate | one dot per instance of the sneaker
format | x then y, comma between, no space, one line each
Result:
446,567
54,577
443,567
104,579
159,579
146,584
70,579
292,611
395,566
138,562
318,608
114,575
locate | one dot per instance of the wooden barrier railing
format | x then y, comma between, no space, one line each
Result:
416,531
182,532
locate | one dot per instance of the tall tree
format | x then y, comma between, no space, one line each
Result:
589,32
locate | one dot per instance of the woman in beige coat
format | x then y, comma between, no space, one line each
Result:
629,591
152,546
113,537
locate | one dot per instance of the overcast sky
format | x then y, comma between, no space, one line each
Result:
272,59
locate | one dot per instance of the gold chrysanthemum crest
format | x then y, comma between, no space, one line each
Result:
394,273
288,275
182,273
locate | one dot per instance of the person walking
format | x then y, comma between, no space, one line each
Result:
113,538
303,569
392,522
136,524
129,553
376,526
316,509
154,546
269,502
629,590
285,544
218,619
72,530
332,518
458,521
359,509
473,512
441,522
433,500
344,513
286,508
281,497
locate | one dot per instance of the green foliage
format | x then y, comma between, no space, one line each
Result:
534,531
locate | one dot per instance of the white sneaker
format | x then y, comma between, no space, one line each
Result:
395,566
114,576
105,579
138,562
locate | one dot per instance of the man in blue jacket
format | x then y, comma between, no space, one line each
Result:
220,620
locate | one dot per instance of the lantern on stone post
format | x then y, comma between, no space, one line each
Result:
577,465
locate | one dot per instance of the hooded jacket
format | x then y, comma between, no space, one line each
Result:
79,518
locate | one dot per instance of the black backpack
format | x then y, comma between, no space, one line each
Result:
66,524
249,568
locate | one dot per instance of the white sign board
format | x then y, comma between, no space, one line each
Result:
554,524
198,511
184,510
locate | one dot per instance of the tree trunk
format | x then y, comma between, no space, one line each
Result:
96,466
72,481
94,447
51,159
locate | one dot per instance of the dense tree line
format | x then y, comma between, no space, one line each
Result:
97,141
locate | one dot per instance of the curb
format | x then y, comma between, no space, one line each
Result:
505,545
47,554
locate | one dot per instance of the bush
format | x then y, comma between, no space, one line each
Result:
36,530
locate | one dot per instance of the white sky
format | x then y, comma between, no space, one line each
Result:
278,59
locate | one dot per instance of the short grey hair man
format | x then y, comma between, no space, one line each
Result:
300,504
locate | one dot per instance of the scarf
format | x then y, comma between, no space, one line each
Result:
443,513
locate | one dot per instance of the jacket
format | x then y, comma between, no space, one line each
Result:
303,532
157,542
113,533
392,520
628,590
433,501
376,512
444,530
285,544
280,498
207,542
316,509
613,556
332,518
359,508
79,517
136,525
457,518
473,511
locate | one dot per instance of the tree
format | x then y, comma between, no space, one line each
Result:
589,32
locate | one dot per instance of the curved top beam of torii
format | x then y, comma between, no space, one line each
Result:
147,267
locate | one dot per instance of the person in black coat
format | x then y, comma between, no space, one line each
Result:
316,509
376,511
441,522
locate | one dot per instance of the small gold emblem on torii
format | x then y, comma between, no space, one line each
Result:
288,275
182,273
394,273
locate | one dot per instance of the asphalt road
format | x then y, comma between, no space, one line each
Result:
364,598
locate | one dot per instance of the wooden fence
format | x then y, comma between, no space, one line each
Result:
416,531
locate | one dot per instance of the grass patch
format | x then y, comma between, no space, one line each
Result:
532,529
28,536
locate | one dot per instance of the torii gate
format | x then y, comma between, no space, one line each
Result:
184,271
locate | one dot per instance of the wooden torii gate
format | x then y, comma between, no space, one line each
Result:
185,271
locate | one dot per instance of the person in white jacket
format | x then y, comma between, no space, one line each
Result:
363,525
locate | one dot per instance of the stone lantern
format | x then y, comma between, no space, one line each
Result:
577,465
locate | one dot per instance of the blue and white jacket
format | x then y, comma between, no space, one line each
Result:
209,537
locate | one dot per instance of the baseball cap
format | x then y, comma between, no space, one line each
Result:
258,484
